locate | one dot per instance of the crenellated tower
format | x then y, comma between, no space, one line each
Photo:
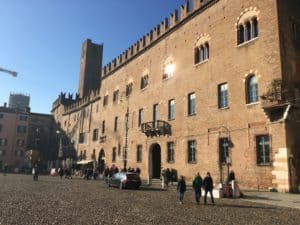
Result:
90,68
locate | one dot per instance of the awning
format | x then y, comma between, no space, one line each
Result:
84,162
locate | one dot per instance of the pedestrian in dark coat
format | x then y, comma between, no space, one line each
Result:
35,172
197,184
181,188
208,187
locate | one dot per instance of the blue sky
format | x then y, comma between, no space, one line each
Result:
41,40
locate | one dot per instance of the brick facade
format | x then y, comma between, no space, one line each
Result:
174,72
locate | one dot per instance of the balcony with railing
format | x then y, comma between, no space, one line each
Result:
156,128
275,100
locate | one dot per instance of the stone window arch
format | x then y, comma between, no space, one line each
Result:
201,49
247,25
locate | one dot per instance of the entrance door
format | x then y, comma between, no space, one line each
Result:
156,161
101,160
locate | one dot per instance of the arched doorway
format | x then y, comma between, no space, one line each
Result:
155,161
101,160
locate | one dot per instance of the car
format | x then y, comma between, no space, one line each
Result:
125,180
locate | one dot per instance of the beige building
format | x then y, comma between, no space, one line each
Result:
214,87
26,138
13,137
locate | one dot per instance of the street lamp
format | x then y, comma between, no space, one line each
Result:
60,150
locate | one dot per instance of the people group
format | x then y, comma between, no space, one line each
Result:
198,184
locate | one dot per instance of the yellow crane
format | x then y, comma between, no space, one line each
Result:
13,73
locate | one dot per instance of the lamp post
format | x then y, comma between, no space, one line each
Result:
60,150
126,138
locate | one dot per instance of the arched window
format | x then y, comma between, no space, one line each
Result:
248,31
241,34
252,89
254,27
247,27
206,51
201,53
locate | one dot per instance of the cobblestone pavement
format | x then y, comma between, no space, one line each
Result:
76,201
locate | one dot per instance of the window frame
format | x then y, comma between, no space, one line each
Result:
223,96
263,157
114,154
252,92
170,152
171,109
192,151
140,118
95,134
116,124
191,107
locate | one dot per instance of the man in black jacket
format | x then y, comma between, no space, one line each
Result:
208,187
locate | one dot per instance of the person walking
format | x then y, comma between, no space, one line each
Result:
181,188
197,183
208,187
35,172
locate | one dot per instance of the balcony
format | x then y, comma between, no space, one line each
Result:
156,128
274,101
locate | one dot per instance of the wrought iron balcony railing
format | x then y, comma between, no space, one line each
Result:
156,128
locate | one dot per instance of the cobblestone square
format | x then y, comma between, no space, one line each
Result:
76,201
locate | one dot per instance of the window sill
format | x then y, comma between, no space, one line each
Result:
247,42
192,162
171,162
264,164
202,62
252,104
193,114
224,108
171,119
145,88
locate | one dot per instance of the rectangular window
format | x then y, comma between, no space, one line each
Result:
139,153
115,96
141,115
23,117
223,149
144,81
155,112
223,95
155,115
105,100
171,106
191,104
81,138
3,141
263,149
21,129
170,147
192,151
20,142
114,154
95,135
128,89
103,126
116,124
2,152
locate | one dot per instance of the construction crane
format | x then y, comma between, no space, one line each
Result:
13,73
